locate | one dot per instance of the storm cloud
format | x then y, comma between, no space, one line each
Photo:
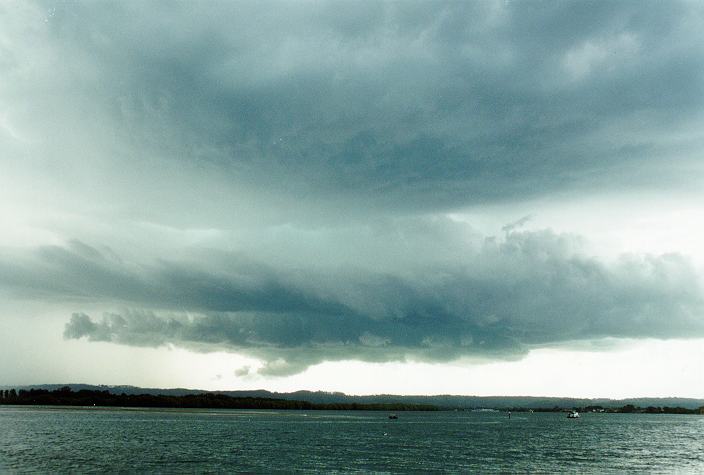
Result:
502,298
279,179
402,105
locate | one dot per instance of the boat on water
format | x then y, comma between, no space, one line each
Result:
573,415
393,416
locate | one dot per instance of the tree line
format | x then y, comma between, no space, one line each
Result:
67,397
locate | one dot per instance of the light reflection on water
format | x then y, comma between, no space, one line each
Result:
90,439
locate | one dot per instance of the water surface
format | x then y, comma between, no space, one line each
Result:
90,439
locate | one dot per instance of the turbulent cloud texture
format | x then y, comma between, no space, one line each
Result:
501,298
396,104
276,178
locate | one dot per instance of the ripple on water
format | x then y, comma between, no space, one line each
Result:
60,439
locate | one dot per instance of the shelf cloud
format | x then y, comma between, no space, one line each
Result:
279,179
501,298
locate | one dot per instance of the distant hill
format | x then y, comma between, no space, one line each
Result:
444,401
65,396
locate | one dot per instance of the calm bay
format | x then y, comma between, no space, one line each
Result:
101,439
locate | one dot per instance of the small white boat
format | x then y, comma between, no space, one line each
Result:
573,415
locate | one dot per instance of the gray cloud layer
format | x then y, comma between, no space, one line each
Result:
395,104
315,148
533,288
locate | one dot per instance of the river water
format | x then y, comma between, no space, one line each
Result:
50,439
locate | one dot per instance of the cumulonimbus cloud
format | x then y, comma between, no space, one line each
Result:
291,131
531,289
399,106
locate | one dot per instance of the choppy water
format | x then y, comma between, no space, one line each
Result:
69,440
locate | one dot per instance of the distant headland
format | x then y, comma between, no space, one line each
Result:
65,396
131,396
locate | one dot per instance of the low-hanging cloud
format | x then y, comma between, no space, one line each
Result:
275,179
531,289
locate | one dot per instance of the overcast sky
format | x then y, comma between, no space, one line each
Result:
466,197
